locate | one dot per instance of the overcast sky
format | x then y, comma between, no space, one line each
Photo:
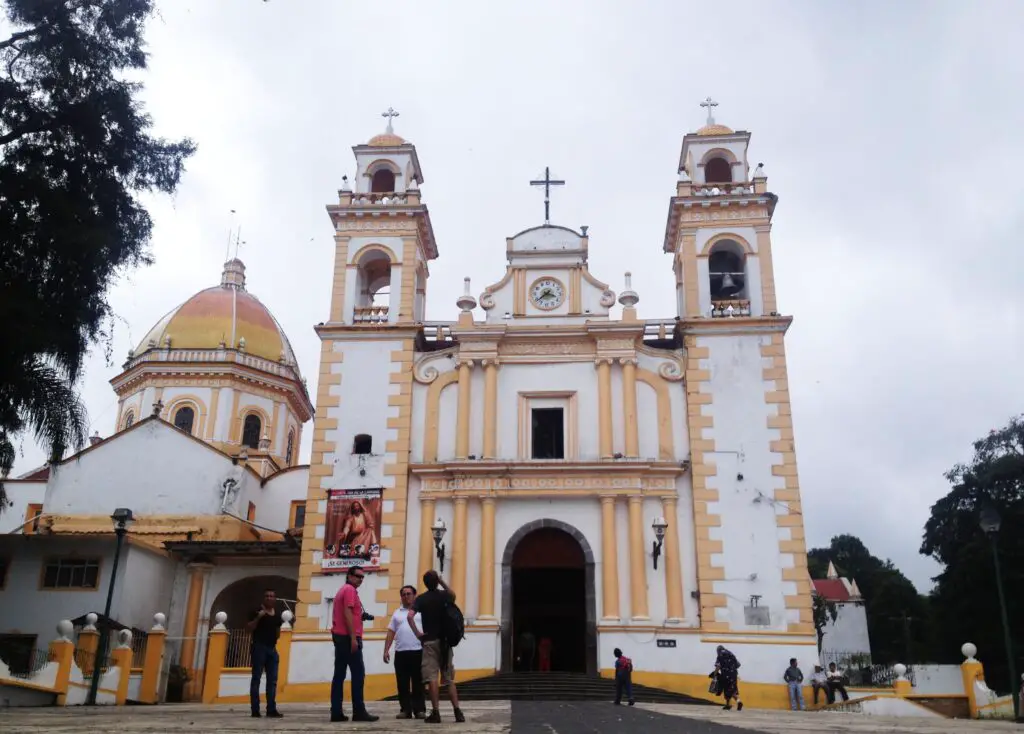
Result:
890,132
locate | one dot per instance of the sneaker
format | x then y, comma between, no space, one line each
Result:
739,705
365,716
404,715
420,715
727,707
434,718
459,716
339,717
255,714
631,703
275,715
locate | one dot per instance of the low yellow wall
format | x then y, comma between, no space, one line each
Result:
755,695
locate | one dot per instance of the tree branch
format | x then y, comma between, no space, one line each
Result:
19,36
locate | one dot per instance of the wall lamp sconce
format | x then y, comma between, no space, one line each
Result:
659,526
439,530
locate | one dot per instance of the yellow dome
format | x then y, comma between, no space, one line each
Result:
715,129
385,140
210,318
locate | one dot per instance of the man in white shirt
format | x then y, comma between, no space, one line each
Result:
408,658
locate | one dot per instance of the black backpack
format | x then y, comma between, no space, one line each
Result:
453,625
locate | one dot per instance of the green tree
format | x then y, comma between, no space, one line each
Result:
824,611
965,601
76,153
889,596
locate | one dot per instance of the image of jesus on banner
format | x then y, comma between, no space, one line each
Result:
352,533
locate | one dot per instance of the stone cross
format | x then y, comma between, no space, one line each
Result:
390,114
710,104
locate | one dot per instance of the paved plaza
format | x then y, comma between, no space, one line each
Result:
526,717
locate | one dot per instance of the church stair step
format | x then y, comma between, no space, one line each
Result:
557,686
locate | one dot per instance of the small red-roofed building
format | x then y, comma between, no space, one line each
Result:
846,639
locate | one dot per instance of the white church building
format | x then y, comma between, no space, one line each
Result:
598,479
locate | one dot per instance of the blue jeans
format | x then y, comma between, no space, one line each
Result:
796,696
264,659
345,660
623,682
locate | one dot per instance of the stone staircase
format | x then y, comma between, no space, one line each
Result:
556,686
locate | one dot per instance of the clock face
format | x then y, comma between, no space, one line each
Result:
547,294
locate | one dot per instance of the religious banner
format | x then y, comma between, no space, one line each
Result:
352,531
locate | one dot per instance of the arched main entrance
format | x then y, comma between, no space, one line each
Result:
240,599
547,576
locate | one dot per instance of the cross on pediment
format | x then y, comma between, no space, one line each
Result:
547,182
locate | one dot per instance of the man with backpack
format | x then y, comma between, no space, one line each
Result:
443,629
623,677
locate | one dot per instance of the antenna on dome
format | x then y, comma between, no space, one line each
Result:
238,240
227,250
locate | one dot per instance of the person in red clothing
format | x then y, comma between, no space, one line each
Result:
347,633
623,677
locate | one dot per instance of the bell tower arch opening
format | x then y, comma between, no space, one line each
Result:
549,613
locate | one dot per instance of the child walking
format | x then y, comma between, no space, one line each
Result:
623,677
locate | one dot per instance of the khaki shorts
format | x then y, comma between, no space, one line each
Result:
432,664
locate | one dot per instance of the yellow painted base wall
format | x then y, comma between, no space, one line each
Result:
377,687
755,695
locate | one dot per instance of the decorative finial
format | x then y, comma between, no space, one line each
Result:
759,172
466,301
346,187
265,442
158,407
390,114
241,344
167,341
629,298
159,620
547,182
684,177
221,618
710,104
583,229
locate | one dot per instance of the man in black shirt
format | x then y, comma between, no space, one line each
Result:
437,656
265,626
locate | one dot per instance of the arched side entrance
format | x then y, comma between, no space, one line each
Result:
548,589
241,598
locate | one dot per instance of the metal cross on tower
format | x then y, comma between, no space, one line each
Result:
710,104
390,114
547,182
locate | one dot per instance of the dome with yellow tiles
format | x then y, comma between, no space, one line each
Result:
386,140
223,316
715,129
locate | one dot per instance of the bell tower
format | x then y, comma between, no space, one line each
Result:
751,549
383,242
386,234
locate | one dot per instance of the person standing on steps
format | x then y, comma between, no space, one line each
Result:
623,677
408,658
347,633
794,678
727,667
265,627
432,606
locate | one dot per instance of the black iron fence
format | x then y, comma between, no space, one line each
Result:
861,672
25,662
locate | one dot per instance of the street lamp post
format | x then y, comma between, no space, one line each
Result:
122,518
990,524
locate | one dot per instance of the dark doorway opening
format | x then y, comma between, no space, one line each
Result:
549,613
548,429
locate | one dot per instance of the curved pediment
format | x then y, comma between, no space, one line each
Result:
547,239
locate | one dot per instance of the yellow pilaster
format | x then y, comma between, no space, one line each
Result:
211,420
62,652
459,550
637,567
490,408
88,643
122,658
462,424
972,670
691,289
673,568
190,631
156,640
604,406
487,559
609,561
284,652
216,649
426,538
629,407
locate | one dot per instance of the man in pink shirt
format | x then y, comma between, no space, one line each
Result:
347,633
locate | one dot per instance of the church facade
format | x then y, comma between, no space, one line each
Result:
592,478
549,455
